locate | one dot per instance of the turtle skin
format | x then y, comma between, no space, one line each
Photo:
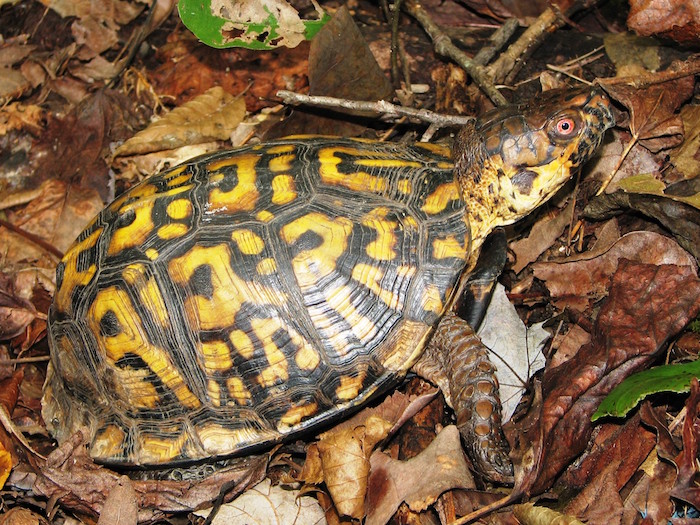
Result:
249,295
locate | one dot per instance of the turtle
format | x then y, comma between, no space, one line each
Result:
251,295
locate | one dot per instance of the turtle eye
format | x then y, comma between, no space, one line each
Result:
565,126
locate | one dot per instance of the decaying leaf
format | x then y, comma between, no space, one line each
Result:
211,116
686,157
264,504
120,506
72,478
21,516
528,513
586,276
418,481
653,111
515,349
676,19
633,325
15,312
344,457
686,487
680,218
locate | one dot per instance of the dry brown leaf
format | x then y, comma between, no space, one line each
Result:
20,516
542,235
15,312
210,116
633,325
686,157
265,504
528,513
5,465
418,481
345,462
16,116
577,279
120,507
653,111
675,19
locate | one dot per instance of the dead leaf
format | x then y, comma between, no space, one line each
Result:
634,323
15,312
686,157
675,19
338,52
653,111
514,349
345,462
120,505
680,218
528,513
418,481
20,516
686,487
211,116
542,235
586,276
264,504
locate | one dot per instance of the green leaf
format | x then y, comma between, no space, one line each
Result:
667,378
253,24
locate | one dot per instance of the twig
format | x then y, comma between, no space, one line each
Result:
496,41
380,107
33,238
24,360
512,59
444,46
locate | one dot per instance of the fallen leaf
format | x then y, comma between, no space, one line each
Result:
345,462
120,506
211,116
675,19
15,312
418,481
542,235
20,516
685,487
653,111
528,513
265,504
586,276
514,349
633,325
686,157
680,218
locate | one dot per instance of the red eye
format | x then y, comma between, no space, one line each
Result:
566,126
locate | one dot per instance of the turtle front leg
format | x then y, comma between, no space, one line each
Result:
457,361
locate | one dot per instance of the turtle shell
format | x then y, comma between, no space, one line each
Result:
251,294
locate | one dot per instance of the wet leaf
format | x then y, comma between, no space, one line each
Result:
253,24
264,504
211,116
667,378
633,325
418,481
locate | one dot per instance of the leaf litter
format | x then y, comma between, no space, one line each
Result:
611,302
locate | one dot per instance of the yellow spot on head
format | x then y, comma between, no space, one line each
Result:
248,242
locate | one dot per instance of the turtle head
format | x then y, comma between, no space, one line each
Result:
515,158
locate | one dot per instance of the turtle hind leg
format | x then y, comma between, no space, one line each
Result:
458,362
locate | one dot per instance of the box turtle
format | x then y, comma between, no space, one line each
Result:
246,296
